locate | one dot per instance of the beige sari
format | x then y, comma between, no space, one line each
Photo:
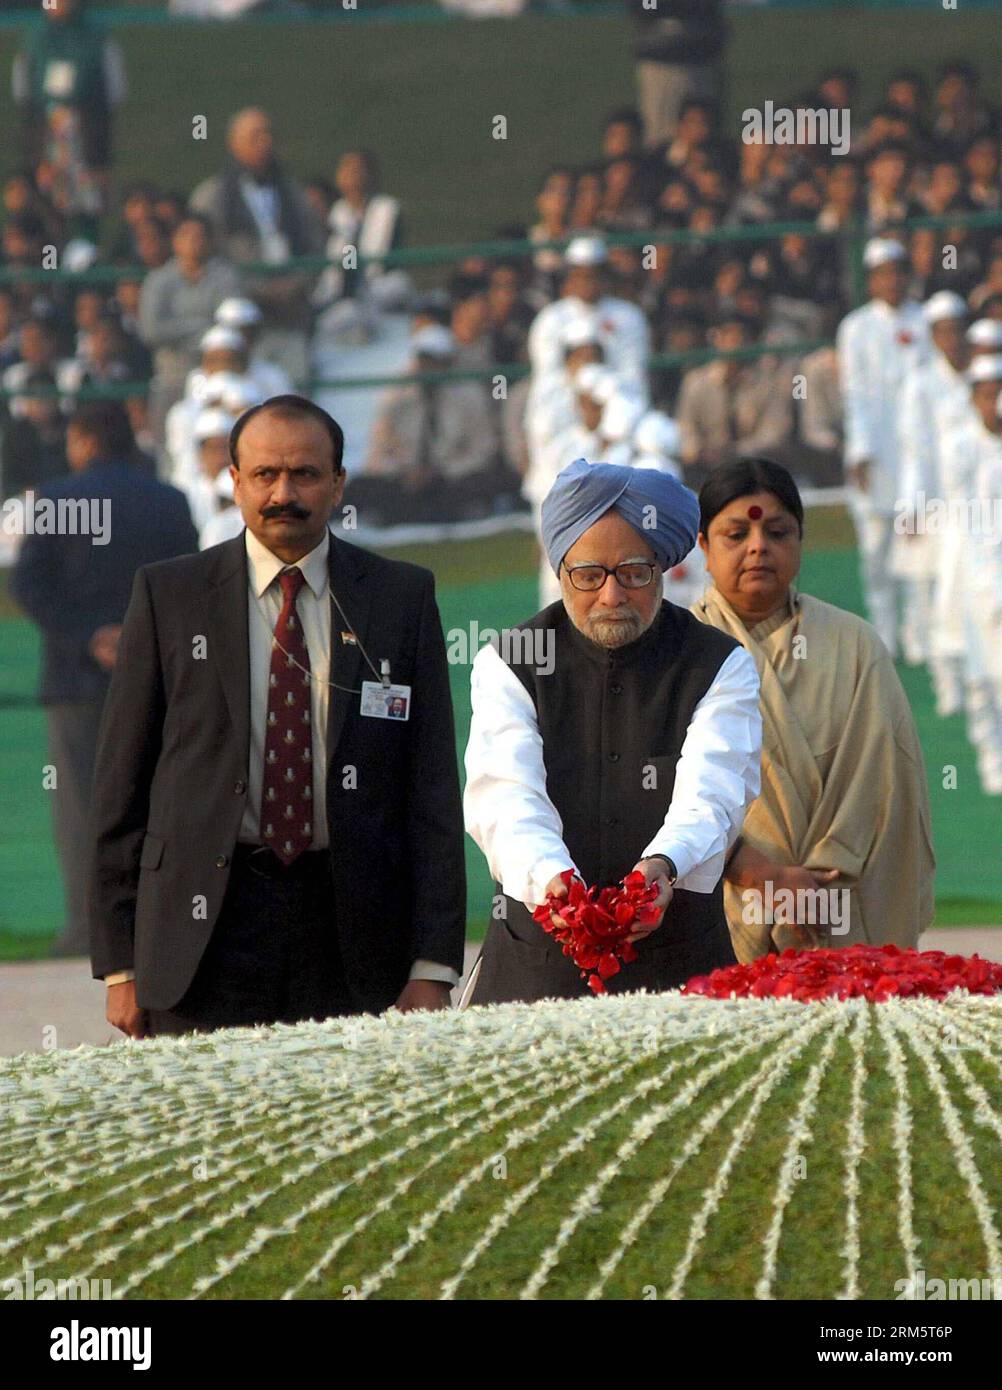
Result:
843,781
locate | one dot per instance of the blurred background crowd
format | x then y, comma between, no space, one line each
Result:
262,276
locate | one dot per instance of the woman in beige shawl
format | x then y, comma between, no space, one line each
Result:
844,806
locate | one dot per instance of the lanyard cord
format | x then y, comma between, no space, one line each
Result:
348,689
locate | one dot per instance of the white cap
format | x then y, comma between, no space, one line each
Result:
658,463
658,433
881,251
434,340
241,393
987,368
581,331
620,416
211,389
212,423
986,333
236,393
942,306
79,254
221,337
238,313
596,381
586,250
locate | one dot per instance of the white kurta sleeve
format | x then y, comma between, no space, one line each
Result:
717,778
506,808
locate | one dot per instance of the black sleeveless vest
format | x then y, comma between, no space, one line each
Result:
612,723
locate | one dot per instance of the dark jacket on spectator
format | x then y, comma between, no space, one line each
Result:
679,31
70,587
284,300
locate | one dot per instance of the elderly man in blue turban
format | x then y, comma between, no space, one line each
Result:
611,732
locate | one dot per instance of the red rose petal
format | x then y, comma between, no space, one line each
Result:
608,965
596,922
870,972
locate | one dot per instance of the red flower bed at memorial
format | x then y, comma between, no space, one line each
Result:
855,972
597,922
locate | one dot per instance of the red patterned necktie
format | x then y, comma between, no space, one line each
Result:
287,784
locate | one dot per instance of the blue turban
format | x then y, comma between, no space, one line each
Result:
658,507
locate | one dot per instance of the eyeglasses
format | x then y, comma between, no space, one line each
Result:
633,574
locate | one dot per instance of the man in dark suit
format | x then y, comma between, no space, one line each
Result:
74,583
269,845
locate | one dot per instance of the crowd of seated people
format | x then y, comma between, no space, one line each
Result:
212,282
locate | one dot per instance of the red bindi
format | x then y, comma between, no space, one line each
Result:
755,512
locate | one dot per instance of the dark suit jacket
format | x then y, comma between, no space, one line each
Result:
70,587
171,777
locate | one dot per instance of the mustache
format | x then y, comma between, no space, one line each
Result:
292,509
625,612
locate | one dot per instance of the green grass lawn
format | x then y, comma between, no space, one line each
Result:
639,1147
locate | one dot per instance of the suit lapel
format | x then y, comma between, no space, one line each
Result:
226,607
229,644
348,666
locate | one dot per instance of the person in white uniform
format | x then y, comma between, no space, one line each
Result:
227,521
936,399
594,386
229,390
878,345
245,316
551,406
657,443
974,465
211,436
621,415
984,336
621,325
987,584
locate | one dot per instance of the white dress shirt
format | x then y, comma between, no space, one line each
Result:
510,816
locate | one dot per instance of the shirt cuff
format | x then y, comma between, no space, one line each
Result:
541,874
431,970
120,977
692,877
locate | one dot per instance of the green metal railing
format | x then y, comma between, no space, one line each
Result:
154,13
444,255
450,253
509,371
852,235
